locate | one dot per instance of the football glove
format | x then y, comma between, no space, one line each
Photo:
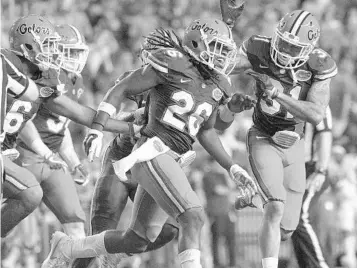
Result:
93,143
55,162
240,102
80,175
230,11
241,178
264,83
12,154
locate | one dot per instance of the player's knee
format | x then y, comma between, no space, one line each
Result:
31,197
192,218
274,211
285,234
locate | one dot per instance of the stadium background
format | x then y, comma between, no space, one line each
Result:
114,30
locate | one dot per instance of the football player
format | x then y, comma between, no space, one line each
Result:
318,144
34,51
293,87
16,85
59,192
188,81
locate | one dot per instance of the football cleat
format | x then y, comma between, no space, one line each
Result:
56,258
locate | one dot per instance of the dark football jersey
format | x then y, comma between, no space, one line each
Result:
269,115
183,102
50,125
19,112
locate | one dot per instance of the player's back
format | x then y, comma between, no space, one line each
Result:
269,115
183,102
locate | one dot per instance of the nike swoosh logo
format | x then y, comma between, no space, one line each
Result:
263,66
185,80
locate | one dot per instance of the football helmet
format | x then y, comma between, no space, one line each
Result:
294,39
73,49
34,37
211,42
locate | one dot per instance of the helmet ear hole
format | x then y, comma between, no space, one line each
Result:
194,44
28,46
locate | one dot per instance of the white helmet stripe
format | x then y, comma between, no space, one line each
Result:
78,34
298,22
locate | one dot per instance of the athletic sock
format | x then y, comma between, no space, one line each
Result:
190,258
90,246
270,262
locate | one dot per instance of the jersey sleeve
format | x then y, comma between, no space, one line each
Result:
253,45
168,61
326,124
17,82
322,65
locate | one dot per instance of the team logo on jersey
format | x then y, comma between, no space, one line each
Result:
217,94
46,92
303,75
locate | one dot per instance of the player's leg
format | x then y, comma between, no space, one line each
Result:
267,166
168,233
108,202
168,185
60,196
22,193
305,241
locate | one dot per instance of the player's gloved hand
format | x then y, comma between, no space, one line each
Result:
80,175
139,118
240,102
264,83
12,154
93,143
241,178
54,161
230,11
315,181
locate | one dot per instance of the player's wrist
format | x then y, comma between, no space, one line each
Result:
107,108
41,149
274,93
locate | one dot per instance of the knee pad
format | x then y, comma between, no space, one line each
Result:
285,234
31,197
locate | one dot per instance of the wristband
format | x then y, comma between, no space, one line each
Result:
107,108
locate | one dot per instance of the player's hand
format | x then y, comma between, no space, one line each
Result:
241,178
80,175
93,143
240,102
230,11
264,83
139,118
55,162
315,181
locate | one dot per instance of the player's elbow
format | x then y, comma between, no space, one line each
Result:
315,119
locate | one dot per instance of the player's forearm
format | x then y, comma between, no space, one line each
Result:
224,118
324,145
30,136
212,144
304,110
242,63
67,151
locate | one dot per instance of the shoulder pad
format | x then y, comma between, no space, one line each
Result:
12,58
322,65
168,59
254,44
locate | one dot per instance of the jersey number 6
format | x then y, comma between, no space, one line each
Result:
186,105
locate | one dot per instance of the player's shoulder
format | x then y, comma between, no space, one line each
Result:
168,59
11,59
322,65
256,45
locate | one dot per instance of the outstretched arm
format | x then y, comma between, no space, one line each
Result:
84,115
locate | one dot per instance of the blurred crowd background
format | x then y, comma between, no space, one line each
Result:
114,30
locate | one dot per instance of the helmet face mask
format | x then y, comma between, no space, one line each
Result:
210,41
34,38
294,39
73,49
